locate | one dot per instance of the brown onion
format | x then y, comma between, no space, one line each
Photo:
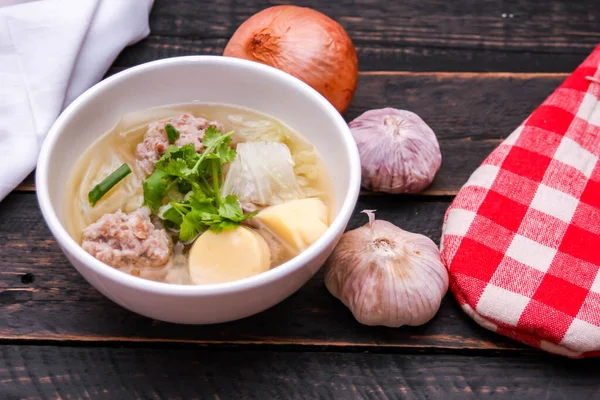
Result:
304,43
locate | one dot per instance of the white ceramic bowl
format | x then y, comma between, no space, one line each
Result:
205,79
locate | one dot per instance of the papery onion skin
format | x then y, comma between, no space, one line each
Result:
399,152
304,43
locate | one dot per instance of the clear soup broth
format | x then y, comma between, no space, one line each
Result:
287,187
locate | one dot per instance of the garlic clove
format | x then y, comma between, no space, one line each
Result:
399,152
387,276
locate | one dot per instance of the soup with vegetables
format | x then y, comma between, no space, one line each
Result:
198,194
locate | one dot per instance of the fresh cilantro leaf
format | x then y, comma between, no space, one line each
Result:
203,205
199,177
211,137
196,222
189,154
169,213
177,167
200,188
186,153
213,140
205,166
224,225
189,226
155,189
184,187
205,187
230,208
198,193
198,213
172,133
225,153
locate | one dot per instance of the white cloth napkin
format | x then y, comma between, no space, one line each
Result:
51,51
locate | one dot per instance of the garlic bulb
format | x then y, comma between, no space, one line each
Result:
399,153
387,276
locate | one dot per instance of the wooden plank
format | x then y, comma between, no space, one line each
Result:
31,372
470,112
44,298
383,56
470,35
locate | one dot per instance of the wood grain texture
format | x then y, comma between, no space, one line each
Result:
309,346
413,35
55,303
382,57
479,110
149,373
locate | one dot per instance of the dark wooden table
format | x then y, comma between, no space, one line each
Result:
473,69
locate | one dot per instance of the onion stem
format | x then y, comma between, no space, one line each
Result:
173,183
108,183
215,179
172,133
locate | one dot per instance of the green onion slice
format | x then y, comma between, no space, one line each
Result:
172,133
108,183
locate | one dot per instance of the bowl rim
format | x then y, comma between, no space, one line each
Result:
72,248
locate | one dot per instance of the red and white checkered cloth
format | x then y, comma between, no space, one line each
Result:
521,241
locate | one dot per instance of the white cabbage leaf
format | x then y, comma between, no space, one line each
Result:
263,173
256,130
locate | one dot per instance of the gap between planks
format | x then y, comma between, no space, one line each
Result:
475,347
442,74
